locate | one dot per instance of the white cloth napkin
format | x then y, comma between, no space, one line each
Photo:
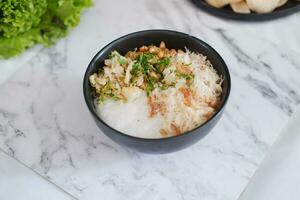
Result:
278,178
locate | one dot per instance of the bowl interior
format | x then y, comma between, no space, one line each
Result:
172,39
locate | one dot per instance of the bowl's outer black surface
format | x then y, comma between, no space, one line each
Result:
174,40
289,8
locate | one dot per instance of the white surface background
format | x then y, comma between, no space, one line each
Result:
45,124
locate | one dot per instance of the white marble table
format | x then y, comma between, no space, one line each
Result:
277,178
17,182
45,124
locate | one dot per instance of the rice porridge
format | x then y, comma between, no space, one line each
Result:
156,92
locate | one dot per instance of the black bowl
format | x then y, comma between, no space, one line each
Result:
174,40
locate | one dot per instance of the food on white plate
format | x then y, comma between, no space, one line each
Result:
240,7
246,6
156,92
262,6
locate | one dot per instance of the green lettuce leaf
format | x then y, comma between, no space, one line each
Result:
24,23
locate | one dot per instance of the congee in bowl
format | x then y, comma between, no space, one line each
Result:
155,91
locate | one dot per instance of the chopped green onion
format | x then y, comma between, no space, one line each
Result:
122,61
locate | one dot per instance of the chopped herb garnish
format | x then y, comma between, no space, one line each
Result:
146,72
136,67
100,70
122,61
162,64
149,88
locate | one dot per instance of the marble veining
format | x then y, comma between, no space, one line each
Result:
45,124
19,182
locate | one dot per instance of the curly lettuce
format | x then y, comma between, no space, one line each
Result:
24,23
